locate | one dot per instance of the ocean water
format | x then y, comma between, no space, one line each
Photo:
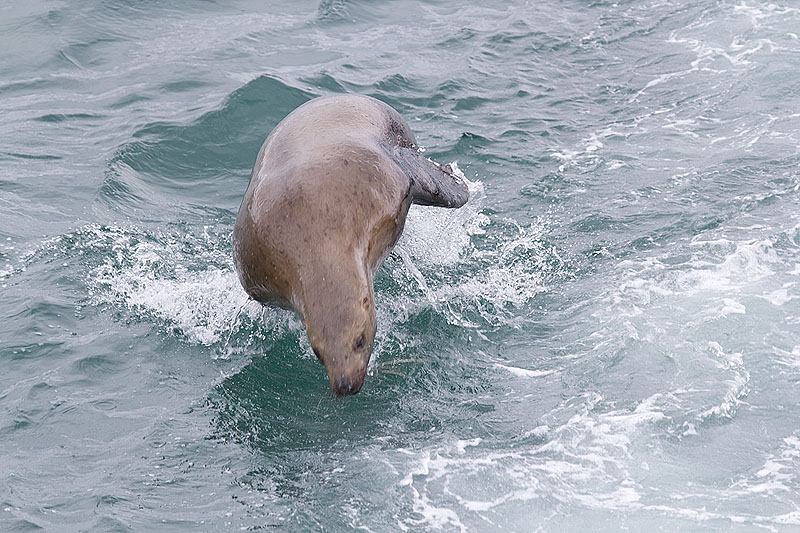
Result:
606,337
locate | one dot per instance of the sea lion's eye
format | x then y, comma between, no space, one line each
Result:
360,342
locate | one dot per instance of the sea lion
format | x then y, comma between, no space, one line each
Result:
327,201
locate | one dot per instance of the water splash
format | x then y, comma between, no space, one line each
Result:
187,284
476,270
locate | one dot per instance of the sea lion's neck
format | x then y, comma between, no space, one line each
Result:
330,287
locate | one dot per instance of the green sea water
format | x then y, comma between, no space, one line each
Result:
606,337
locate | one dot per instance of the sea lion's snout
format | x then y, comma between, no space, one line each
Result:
346,374
346,385
347,380
342,341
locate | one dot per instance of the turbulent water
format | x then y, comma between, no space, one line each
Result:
606,337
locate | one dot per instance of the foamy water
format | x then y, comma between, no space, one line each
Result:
606,337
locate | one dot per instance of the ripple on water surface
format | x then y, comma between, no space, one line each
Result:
606,334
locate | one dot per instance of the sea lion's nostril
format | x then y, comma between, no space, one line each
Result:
359,342
344,386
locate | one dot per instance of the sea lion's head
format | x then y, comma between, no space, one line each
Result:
341,328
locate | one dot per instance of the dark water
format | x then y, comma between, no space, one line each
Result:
606,337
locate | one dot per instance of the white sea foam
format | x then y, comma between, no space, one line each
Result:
181,282
436,236
523,372
428,467
686,310
188,283
737,383
203,305
779,472
590,461
509,273
585,461
780,296
747,265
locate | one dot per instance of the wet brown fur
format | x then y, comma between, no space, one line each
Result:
327,201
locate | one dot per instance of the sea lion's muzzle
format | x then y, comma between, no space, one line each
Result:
346,385
345,379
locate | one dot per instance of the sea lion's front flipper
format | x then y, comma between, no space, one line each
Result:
431,183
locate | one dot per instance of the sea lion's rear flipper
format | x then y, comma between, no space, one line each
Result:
431,183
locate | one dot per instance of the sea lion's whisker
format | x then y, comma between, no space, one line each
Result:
381,364
320,405
318,394
334,406
394,372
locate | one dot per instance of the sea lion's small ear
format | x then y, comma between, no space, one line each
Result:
431,183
